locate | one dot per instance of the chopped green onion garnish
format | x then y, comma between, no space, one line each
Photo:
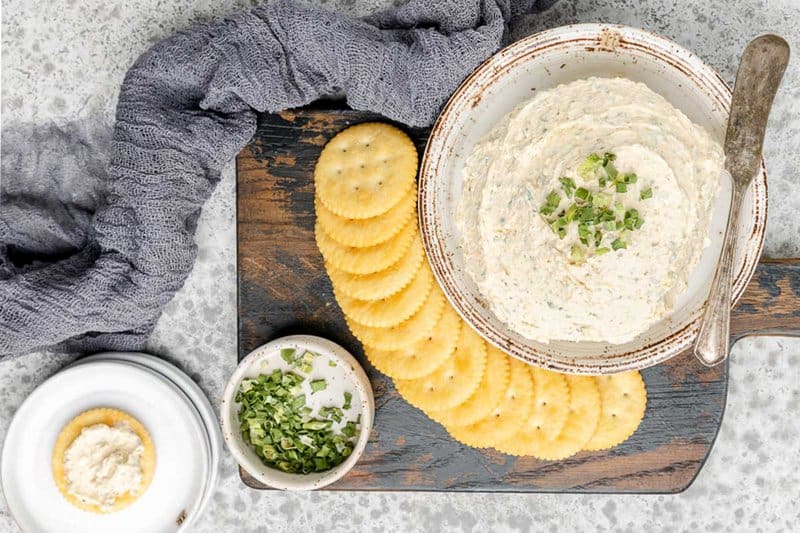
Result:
602,200
589,166
349,429
618,244
568,184
577,254
595,211
570,212
611,171
582,196
347,397
287,354
318,385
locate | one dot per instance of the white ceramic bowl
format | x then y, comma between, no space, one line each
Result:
266,358
542,61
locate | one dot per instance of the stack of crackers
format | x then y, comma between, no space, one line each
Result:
368,235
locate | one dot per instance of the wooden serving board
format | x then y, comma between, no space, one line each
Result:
283,289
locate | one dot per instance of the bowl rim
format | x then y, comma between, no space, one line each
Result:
283,480
662,50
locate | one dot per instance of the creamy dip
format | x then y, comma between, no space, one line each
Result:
524,270
103,463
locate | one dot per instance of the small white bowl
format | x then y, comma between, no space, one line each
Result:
265,359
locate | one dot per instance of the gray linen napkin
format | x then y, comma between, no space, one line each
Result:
96,234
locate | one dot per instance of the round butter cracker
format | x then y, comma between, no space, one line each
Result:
623,399
422,357
584,413
365,170
361,232
383,283
488,395
393,310
454,381
365,260
505,419
407,332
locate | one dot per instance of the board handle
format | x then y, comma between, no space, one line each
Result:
770,304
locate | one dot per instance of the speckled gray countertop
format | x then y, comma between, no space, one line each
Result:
64,60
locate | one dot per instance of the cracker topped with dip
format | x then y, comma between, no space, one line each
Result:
585,209
103,460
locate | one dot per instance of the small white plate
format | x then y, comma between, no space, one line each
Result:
346,375
195,395
182,461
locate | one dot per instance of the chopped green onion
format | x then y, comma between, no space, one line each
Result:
602,200
618,244
611,171
287,354
589,166
646,193
621,187
347,398
601,251
570,212
349,429
577,254
553,199
318,385
629,178
568,184
582,196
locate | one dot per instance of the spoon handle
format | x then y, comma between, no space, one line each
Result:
760,71
712,344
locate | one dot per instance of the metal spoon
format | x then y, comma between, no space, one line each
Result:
760,71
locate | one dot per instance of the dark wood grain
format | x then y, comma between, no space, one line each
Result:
283,289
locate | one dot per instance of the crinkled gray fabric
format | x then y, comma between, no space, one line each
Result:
96,234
